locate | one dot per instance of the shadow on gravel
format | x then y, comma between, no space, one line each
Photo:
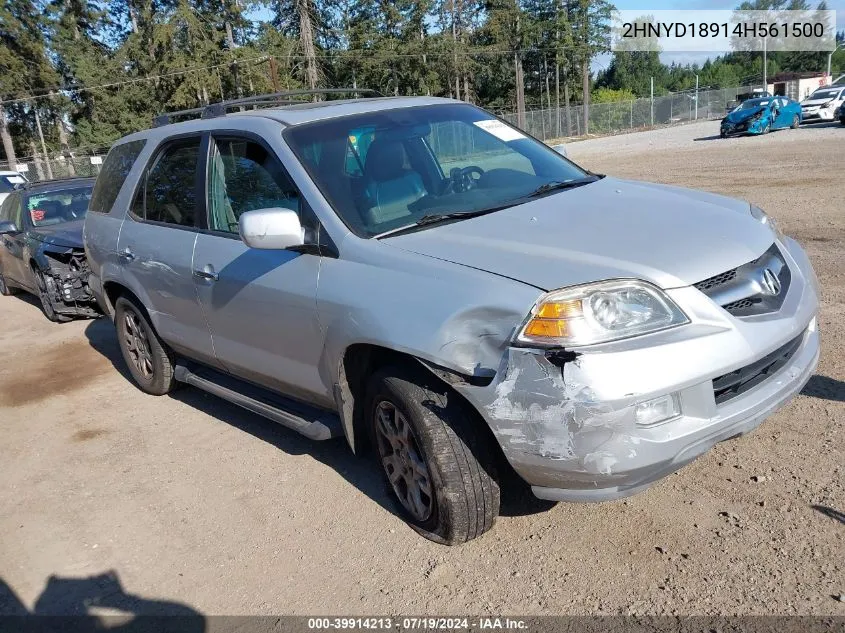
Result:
836,515
74,598
715,137
360,471
825,388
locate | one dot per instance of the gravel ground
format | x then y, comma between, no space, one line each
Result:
181,503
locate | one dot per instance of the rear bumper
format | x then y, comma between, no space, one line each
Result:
569,428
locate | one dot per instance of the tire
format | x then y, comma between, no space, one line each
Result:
796,122
723,135
5,289
148,359
420,431
842,120
46,286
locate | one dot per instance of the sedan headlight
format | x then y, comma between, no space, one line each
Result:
763,218
598,313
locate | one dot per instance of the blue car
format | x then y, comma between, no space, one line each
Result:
760,116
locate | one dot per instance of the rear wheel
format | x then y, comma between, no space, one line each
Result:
438,464
796,122
147,357
46,291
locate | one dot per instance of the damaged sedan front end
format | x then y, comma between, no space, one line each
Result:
42,249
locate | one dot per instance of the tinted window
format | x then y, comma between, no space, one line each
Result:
116,168
170,188
46,208
243,176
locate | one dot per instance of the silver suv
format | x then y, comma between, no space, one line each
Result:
432,284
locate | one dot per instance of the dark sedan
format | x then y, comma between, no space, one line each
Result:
41,248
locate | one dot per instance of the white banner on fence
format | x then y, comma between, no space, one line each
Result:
96,160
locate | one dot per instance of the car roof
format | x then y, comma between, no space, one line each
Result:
288,115
9,173
58,183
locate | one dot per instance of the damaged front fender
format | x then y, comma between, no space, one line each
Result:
68,272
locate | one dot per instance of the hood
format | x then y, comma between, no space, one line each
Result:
64,235
739,116
608,229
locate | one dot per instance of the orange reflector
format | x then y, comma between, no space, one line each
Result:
547,328
560,310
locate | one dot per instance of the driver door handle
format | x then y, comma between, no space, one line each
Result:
208,273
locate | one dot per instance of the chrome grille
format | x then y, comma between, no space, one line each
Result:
757,287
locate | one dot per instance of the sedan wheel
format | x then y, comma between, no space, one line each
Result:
796,122
46,289
5,290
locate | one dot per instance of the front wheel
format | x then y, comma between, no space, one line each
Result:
46,291
796,122
842,120
149,361
437,462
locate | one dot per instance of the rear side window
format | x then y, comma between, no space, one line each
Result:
170,190
116,168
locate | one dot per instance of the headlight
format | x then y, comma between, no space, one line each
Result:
763,218
598,313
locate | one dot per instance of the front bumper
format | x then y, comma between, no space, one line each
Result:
568,428
821,114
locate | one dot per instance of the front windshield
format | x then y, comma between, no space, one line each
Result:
385,170
55,207
825,94
754,103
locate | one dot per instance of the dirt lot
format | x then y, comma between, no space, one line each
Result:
185,502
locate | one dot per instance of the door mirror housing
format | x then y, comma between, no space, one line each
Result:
271,229
9,228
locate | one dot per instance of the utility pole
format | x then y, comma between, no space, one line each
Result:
696,97
43,145
652,101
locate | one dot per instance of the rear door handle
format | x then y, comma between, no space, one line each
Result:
208,273
127,254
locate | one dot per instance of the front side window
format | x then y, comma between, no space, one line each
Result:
243,176
56,207
170,190
116,168
386,170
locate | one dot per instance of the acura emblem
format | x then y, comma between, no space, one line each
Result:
771,283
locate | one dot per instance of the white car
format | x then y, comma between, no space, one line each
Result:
823,104
8,181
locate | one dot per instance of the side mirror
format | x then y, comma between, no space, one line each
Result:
560,149
271,229
9,228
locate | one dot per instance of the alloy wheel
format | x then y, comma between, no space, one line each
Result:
44,295
137,344
403,462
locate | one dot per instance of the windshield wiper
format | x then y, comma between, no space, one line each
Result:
559,185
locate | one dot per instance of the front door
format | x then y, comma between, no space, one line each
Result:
12,249
157,242
260,304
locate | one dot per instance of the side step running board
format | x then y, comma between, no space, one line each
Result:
315,425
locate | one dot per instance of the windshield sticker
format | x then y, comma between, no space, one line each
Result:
499,130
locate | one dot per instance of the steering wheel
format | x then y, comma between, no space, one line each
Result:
462,179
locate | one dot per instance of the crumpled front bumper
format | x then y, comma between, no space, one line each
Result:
568,427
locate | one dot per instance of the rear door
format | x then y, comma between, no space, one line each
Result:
156,244
260,304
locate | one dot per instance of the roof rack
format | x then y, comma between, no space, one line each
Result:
215,110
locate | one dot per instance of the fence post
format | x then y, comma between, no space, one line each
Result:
632,115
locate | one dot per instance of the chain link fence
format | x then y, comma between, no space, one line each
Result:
622,116
61,166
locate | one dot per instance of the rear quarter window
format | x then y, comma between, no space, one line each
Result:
116,168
